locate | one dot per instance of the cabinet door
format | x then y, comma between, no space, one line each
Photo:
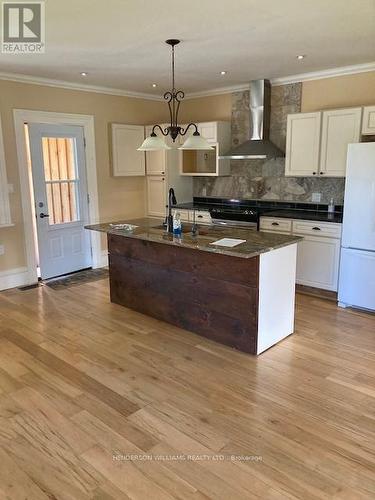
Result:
208,130
302,144
368,122
340,127
155,160
126,160
318,262
156,195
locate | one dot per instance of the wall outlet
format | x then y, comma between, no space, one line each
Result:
316,197
2,249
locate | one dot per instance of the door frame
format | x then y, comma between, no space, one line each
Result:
22,116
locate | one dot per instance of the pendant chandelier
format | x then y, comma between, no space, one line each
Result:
174,98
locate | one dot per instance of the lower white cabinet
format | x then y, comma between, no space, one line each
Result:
318,254
156,195
318,262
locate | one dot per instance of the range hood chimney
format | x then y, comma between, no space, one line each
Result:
259,146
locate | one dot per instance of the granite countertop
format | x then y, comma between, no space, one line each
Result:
316,215
150,229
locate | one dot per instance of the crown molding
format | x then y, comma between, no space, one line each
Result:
325,73
62,84
285,80
219,91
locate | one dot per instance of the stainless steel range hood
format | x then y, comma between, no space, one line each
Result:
258,146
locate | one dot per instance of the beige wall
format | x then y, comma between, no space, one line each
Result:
339,92
218,107
125,197
118,197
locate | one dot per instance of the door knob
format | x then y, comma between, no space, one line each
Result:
43,215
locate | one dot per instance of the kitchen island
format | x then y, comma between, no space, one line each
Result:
240,296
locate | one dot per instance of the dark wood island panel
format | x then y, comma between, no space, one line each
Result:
213,295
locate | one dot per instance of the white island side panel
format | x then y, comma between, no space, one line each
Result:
277,278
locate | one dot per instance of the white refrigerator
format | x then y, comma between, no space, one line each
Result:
357,263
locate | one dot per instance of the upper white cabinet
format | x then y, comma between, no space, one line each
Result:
316,143
368,122
126,160
340,127
208,130
302,144
206,163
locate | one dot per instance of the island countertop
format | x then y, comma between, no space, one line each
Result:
151,229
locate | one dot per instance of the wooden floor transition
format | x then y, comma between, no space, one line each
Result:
100,402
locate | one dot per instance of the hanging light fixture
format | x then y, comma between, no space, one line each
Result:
174,98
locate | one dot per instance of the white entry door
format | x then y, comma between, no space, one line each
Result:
61,200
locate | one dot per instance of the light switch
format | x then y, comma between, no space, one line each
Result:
316,197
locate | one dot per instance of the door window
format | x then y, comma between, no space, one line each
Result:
61,179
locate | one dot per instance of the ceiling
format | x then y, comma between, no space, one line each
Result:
120,43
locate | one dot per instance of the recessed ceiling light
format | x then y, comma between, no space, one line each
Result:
223,73
301,56
154,85
84,73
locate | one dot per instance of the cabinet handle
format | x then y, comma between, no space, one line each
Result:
275,224
163,179
163,173
314,173
321,173
316,229
200,216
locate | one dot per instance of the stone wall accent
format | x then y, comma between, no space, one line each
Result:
265,179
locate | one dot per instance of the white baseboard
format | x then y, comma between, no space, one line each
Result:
15,277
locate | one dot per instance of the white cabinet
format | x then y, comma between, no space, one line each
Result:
316,143
368,122
126,160
155,160
163,172
156,195
207,163
302,144
208,130
187,215
318,254
340,127
317,262
275,224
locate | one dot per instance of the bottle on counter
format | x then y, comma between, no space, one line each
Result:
177,225
331,206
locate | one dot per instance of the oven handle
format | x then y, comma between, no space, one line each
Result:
245,225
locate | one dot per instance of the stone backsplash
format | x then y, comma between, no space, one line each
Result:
265,179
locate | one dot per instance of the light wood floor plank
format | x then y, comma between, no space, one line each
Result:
82,380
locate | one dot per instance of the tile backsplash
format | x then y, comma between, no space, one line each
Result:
265,179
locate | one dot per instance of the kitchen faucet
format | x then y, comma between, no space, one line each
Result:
171,201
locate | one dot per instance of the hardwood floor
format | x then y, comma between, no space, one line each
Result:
86,384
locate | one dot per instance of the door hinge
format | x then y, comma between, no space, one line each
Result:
84,142
88,198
